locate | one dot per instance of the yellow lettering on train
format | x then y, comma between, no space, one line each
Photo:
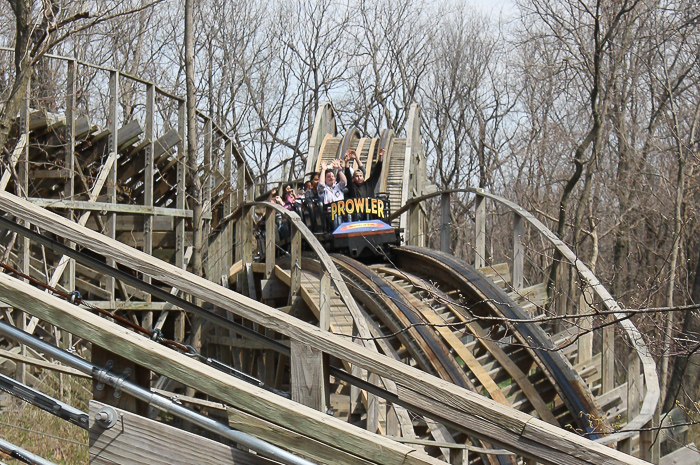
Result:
380,208
360,205
374,207
334,211
350,206
341,207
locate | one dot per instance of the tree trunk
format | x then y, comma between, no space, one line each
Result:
193,168
23,68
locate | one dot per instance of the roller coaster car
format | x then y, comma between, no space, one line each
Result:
359,228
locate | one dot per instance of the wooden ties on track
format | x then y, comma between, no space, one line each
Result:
549,372
393,173
427,323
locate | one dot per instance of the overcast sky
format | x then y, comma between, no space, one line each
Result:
495,7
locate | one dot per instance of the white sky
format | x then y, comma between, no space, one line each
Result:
495,7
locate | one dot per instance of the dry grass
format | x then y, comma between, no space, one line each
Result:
40,432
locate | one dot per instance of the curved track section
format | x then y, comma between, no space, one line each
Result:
397,317
482,301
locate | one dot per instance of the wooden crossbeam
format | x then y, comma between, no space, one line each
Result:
136,440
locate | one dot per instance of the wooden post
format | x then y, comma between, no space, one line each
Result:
228,206
240,197
608,357
324,319
180,201
247,232
393,427
206,185
518,252
373,407
480,231
634,394
445,229
309,376
270,227
113,125
295,281
147,321
459,456
69,193
585,340
646,439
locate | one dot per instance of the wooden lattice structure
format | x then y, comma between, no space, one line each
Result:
414,361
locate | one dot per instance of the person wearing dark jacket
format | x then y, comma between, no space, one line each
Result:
359,187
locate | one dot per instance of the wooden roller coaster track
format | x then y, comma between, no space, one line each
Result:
420,359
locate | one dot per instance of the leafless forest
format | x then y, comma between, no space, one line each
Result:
583,112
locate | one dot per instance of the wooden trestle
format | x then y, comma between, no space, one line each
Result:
402,362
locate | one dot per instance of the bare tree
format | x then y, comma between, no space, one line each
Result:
39,28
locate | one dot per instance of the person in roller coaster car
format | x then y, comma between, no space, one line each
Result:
328,189
359,187
289,197
312,186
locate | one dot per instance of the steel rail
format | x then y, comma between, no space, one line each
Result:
651,379
22,455
161,403
44,402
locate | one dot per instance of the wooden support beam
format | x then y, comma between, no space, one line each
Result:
42,364
147,321
23,191
174,291
65,261
296,442
106,207
20,148
113,149
270,228
518,251
608,361
585,340
135,440
295,283
180,203
227,231
373,407
479,231
207,180
634,394
309,376
324,305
